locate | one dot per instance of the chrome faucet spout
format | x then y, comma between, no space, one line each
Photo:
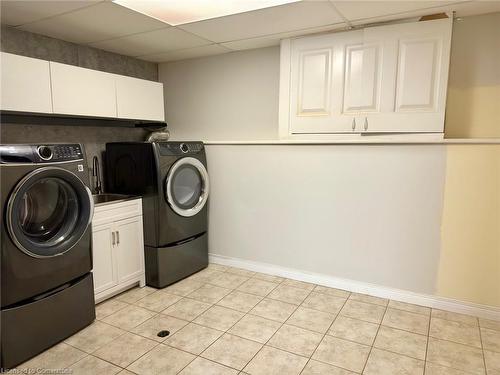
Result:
95,174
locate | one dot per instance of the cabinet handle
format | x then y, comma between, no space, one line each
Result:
366,123
117,237
113,236
354,123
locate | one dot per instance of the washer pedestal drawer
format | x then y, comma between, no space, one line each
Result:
166,265
30,328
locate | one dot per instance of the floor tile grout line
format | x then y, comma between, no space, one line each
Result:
227,331
374,340
482,349
427,343
326,332
269,339
105,360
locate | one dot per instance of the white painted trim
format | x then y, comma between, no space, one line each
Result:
379,141
443,303
284,89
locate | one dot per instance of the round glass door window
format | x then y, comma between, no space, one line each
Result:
187,186
48,212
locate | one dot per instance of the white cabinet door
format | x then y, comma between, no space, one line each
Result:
139,99
84,92
104,271
384,79
130,248
25,84
415,76
333,78
362,78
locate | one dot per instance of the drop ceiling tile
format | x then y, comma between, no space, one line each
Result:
275,20
15,13
467,8
463,9
267,41
95,23
274,40
152,42
358,10
213,49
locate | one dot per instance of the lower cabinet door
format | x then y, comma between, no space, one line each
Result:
104,271
129,248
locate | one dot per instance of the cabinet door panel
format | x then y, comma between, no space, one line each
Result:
315,83
25,84
417,79
104,272
317,66
139,99
414,76
130,248
362,78
83,92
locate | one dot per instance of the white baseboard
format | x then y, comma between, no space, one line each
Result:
443,303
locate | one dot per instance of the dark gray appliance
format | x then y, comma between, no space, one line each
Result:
46,257
173,181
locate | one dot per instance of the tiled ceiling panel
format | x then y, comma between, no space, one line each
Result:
95,23
15,13
213,49
152,42
356,10
275,20
274,40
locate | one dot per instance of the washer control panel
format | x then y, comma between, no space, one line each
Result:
46,153
179,148
66,152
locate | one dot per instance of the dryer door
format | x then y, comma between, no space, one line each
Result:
187,186
48,212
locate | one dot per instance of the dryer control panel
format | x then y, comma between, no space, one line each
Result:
46,153
179,148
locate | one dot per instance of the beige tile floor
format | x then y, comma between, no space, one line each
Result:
225,320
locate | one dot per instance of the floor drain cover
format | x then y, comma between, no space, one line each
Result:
163,333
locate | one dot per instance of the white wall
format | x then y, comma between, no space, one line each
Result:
367,213
226,97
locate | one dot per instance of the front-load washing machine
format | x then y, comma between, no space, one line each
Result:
46,259
172,179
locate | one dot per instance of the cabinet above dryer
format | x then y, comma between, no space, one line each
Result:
378,80
38,86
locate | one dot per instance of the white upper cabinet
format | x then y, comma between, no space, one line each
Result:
33,85
416,59
384,79
84,92
25,84
139,99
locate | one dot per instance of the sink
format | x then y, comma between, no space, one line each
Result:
100,199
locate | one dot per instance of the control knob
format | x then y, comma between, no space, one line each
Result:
44,152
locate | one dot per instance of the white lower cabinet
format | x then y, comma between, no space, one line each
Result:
117,248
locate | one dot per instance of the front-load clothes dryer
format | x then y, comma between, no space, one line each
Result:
46,259
173,180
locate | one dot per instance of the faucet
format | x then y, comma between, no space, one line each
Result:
95,174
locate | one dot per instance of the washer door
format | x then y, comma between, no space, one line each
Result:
48,212
187,186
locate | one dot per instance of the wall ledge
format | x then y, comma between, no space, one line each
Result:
446,141
437,302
